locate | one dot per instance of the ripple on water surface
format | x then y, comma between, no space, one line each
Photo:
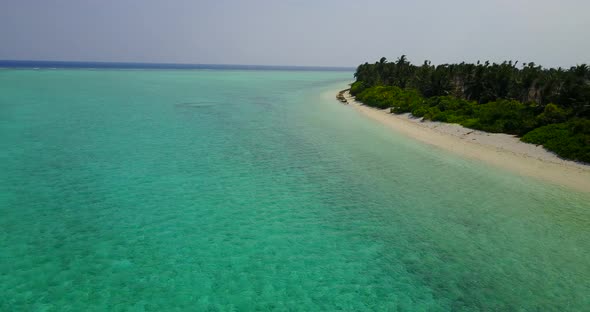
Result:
247,190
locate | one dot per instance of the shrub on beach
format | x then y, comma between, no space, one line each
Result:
552,114
507,116
401,101
569,139
357,87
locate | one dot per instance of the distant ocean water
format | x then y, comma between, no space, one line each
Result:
120,65
160,190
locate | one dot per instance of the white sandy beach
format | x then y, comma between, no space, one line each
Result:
501,150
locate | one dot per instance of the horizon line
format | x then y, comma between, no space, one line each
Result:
154,65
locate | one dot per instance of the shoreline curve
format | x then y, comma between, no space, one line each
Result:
498,149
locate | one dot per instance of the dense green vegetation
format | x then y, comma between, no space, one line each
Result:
550,107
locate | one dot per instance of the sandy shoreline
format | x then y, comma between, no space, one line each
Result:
501,150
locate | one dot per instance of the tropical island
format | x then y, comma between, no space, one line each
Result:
543,106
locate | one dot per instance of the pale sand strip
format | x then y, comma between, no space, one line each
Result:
501,150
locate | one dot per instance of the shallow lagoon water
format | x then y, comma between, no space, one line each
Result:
151,190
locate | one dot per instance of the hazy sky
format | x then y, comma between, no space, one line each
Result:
314,32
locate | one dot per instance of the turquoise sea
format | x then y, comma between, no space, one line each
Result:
255,190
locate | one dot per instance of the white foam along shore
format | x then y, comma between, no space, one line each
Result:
498,149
